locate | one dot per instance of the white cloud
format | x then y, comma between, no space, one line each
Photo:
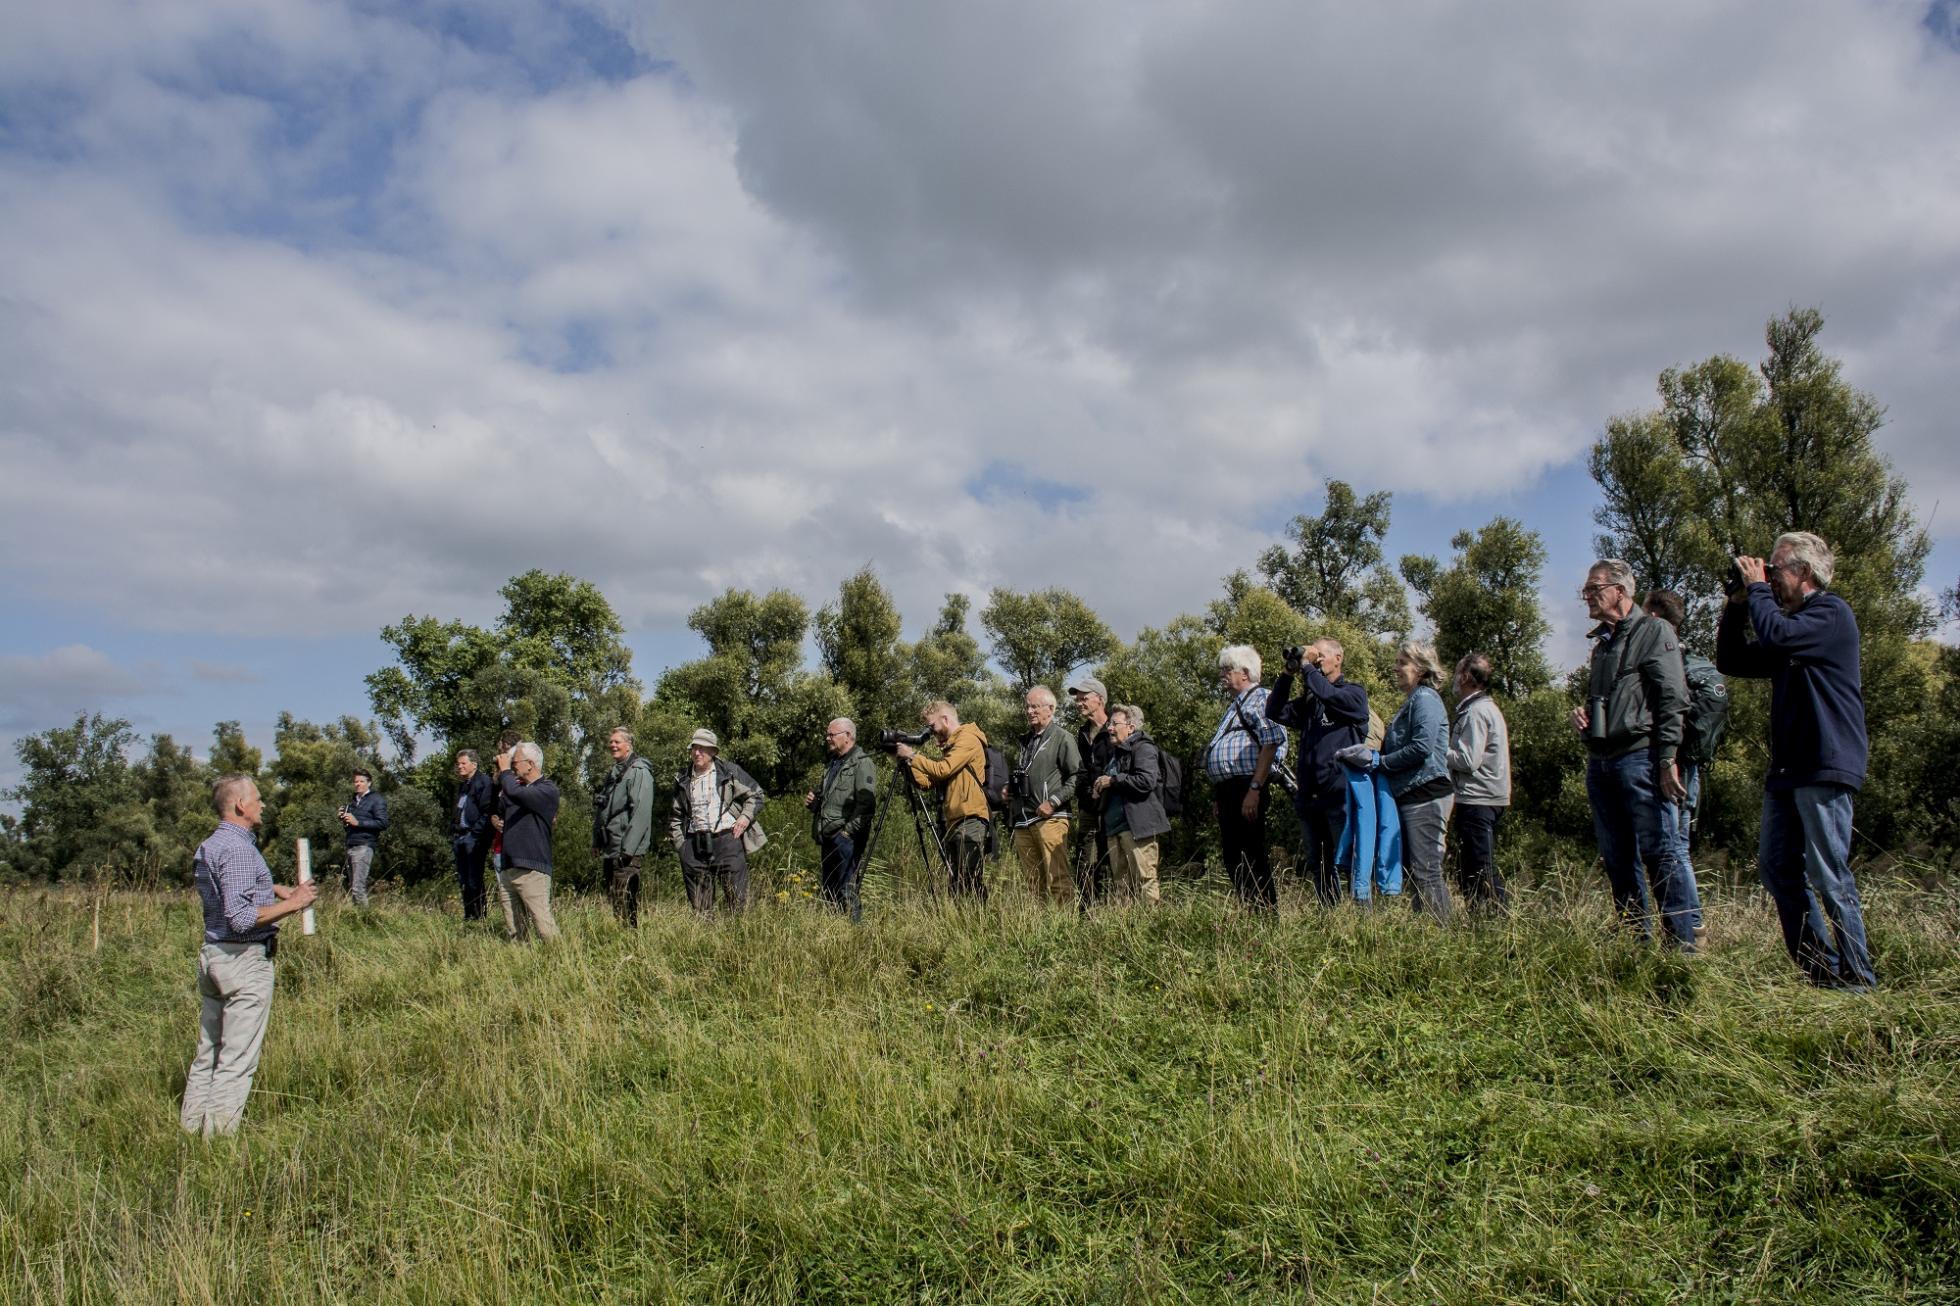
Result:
760,318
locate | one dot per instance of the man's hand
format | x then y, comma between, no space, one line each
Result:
1250,807
1102,783
904,752
503,761
810,799
1671,787
497,824
297,895
1754,570
1579,719
1048,809
347,818
741,827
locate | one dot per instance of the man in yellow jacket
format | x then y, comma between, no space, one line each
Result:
959,773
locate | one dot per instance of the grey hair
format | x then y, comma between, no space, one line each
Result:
1617,573
1423,657
529,751
620,730
1240,657
1043,694
1131,713
1812,552
226,793
849,725
1332,645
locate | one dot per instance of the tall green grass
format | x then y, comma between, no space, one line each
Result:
996,1105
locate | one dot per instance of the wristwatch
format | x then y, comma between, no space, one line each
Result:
1257,784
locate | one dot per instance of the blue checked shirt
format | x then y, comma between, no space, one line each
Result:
233,882
1233,751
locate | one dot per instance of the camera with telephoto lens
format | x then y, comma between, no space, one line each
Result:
1596,718
889,739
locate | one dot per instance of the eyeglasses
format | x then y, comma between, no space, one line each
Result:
1594,591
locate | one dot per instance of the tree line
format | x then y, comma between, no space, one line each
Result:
1732,456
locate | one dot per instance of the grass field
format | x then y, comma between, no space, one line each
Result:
997,1105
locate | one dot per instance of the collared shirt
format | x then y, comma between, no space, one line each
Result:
704,809
1234,750
233,882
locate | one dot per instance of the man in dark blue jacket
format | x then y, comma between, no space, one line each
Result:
1330,714
365,818
469,833
1806,646
528,807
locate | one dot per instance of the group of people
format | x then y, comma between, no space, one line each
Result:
1088,807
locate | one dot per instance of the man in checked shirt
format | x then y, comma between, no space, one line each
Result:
242,910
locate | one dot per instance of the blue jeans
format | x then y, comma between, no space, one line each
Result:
1804,858
1636,841
838,874
1681,825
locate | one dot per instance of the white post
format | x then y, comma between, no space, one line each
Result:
305,851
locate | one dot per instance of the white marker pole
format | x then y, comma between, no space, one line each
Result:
305,850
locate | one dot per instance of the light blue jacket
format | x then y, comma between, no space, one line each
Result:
1416,748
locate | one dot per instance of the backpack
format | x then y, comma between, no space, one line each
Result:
1173,778
1708,709
994,784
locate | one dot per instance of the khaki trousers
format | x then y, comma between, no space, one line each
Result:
1136,863
1043,850
530,905
235,982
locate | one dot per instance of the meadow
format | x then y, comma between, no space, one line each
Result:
998,1104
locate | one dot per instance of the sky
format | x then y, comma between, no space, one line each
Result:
316,314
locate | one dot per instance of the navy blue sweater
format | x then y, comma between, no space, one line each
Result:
1329,717
529,812
1817,704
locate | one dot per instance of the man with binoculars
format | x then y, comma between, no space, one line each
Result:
1636,709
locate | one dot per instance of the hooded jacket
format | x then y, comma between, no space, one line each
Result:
622,809
1636,667
960,770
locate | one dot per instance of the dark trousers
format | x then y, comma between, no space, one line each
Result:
966,857
1247,858
1320,836
708,861
838,873
470,856
1477,876
623,887
1091,863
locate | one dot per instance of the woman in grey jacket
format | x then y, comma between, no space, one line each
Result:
1415,758
1480,765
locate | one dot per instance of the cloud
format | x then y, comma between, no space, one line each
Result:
312,316
222,673
41,689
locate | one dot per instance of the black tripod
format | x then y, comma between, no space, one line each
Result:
923,826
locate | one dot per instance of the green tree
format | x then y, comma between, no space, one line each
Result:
858,637
79,808
1336,569
1486,601
751,689
1730,460
1041,636
174,789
